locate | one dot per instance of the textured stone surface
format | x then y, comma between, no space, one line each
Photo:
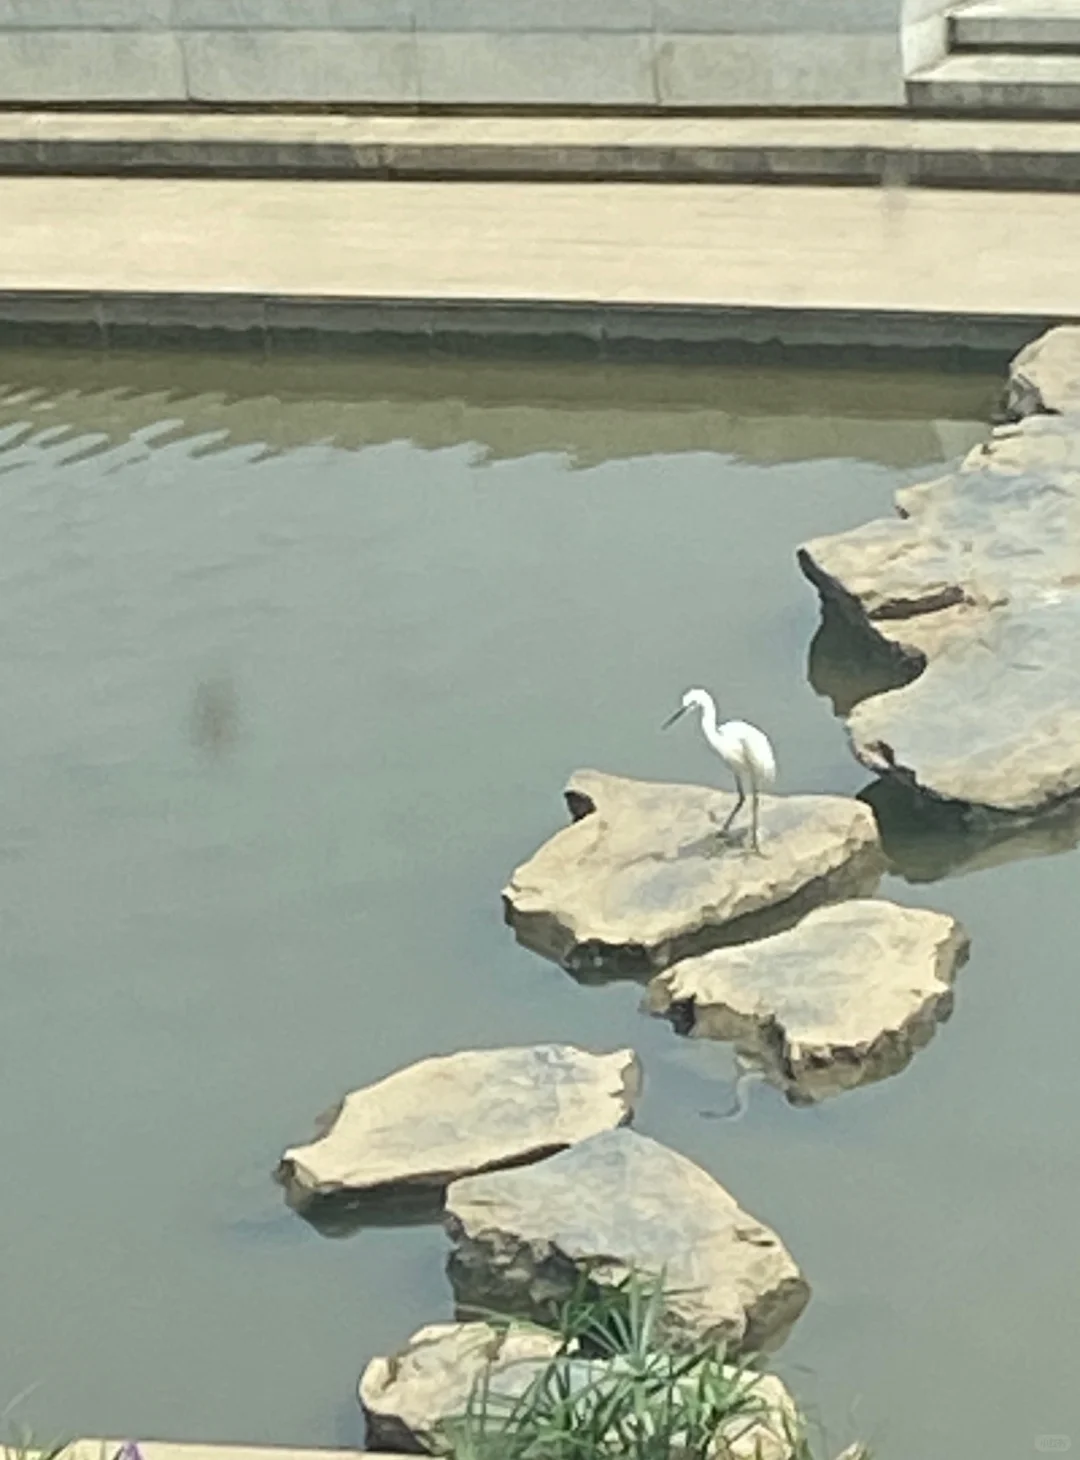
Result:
616,1204
444,1117
601,68
639,879
843,998
407,1397
756,69
546,52
321,66
1046,375
977,580
40,66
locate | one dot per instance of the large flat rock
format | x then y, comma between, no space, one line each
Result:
613,1205
1045,376
639,878
410,1397
845,997
457,1114
975,588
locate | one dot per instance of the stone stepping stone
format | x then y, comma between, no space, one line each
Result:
973,589
611,1206
456,1114
409,1396
844,998
639,879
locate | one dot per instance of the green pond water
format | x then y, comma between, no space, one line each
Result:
295,657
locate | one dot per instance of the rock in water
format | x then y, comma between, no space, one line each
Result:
460,1113
409,1398
639,878
975,589
843,998
1045,376
614,1205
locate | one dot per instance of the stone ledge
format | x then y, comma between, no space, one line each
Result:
873,151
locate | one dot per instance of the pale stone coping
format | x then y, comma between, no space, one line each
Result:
878,151
95,1449
691,250
907,133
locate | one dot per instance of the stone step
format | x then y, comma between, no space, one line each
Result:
1017,25
1020,83
873,150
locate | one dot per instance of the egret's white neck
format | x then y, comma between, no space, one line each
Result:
707,707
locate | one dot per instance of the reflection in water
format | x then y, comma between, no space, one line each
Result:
926,840
428,649
215,716
344,1216
591,412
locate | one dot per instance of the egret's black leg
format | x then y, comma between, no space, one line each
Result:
739,804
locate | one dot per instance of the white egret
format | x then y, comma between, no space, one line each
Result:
743,748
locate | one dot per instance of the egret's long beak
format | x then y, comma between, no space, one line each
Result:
679,713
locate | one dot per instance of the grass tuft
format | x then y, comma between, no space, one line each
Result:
618,1387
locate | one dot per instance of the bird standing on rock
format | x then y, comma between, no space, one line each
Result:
744,749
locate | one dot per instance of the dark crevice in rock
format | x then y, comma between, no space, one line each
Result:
849,662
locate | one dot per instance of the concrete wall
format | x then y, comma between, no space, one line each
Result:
630,53
924,33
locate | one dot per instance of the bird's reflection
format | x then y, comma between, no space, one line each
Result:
215,716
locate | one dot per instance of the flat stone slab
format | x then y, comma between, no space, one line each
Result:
844,998
409,1397
639,878
616,1204
975,589
457,1114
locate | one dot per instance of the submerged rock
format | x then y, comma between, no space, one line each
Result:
455,1114
975,590
640,879
614,1205
844,998
409,1399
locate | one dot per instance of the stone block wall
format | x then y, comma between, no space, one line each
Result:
642,54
